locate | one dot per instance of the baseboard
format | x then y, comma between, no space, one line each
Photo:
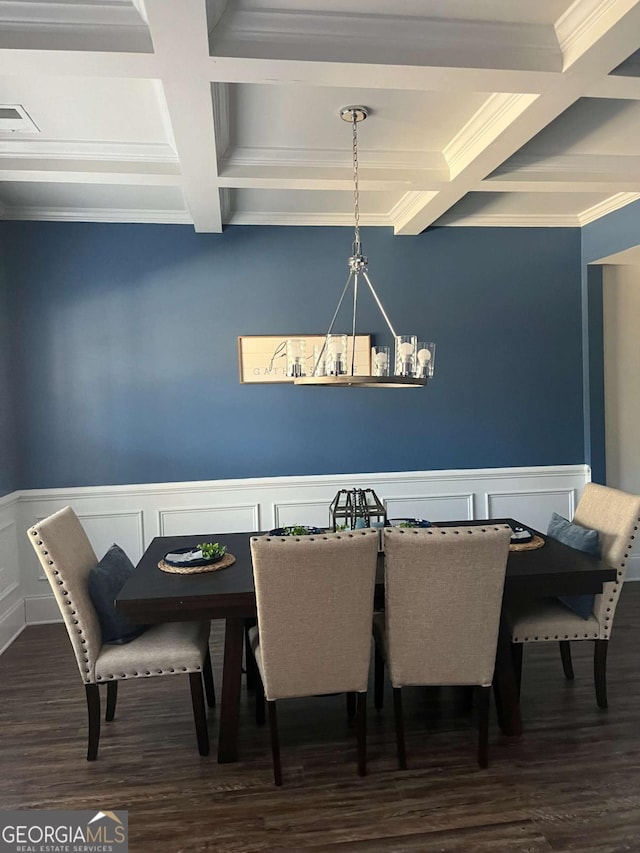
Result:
41,610
12,624
633,572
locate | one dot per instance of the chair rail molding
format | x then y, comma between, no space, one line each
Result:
132,515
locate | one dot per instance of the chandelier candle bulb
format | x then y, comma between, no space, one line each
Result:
296,352
406,346
319,360
426,358
380,357
336,355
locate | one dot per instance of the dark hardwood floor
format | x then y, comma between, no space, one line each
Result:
572,783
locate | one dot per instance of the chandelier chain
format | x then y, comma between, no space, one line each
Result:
357,246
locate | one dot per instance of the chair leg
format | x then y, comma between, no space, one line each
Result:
565,654
112,696
207,677
517,653
93,709
484,697
199,712
275,742
466,698
251,668
351,705
362,734
397,711
378,680
600,672
260,716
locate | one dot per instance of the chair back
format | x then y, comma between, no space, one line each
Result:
615,515
443,593
66,555
315,606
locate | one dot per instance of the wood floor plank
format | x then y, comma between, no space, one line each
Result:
572,783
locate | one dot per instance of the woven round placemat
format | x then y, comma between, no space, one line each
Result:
227,560
536,542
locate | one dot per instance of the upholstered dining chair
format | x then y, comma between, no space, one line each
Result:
615,515
67,557
314,597
443,596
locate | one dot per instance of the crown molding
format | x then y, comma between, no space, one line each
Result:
69,13
496,114
66,149
614,202
221,118
412,201
97,214
581,23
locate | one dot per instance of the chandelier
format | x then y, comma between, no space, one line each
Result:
334,363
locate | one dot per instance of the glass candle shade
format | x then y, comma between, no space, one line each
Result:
406,355
380,359
319,360
425,357
336,352
296,354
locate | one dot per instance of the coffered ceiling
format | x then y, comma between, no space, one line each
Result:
215,112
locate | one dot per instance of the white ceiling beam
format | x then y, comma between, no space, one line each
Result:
267,175
235,69
77,63
394,39
180,39
577,185
77,176
607,40
616,87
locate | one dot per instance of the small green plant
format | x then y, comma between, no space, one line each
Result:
296,530
212,550
407,524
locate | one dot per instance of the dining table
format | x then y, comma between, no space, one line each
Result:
151,595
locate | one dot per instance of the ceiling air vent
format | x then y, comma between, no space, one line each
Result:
15,119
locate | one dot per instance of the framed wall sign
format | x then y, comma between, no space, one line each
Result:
263,358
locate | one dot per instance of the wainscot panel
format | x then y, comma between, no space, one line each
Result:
134,515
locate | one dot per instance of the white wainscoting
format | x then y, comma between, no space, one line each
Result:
12,619
133,515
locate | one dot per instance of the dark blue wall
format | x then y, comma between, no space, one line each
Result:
128,351
8,449
610,234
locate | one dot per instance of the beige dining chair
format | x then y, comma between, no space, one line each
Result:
443,597
314,597
67,557
615,515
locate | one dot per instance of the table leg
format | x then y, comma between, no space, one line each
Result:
231,681
505,685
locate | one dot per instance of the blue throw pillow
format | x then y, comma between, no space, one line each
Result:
105,582
582,539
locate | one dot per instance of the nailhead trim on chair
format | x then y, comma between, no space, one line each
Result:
606,628
68,601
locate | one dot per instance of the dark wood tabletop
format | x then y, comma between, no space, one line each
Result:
151,595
